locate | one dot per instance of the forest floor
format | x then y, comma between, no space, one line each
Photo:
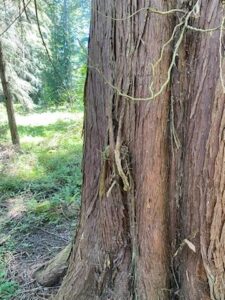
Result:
39,197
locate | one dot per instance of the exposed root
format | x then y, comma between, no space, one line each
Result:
52,272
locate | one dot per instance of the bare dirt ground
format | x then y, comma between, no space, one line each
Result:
44,243
32,248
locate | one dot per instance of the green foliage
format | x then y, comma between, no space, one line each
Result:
8,288
33,77
22,47
64,77
80,76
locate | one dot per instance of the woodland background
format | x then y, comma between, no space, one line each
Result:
44,45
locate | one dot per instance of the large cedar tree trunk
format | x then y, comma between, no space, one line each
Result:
153,212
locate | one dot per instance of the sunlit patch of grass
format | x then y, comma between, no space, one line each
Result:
16,207
32,140
24,167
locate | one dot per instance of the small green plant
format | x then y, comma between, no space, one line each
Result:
8,287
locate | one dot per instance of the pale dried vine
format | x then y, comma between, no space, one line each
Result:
117,151
203,30
146,9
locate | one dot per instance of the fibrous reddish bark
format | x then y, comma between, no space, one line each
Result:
152,217
107,255
197,172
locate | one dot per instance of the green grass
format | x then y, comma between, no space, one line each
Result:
39,183
49,163
7,288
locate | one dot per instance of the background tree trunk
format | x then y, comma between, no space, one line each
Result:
152,218
8,101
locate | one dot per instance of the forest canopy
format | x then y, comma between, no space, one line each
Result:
41,41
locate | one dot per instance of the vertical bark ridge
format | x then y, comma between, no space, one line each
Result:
198,116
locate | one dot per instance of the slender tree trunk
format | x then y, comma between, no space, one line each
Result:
8,101
152,217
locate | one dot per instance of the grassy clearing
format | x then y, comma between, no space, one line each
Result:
39,187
